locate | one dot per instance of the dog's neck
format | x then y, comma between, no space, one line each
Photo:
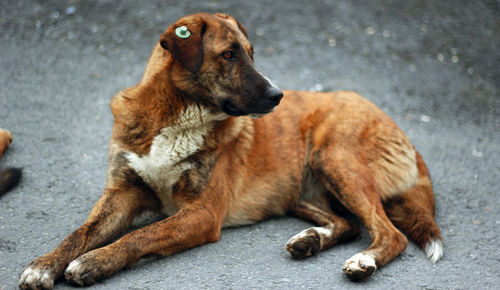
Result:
158,61
144,112
195,116
154,108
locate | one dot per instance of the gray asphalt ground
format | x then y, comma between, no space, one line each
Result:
432,65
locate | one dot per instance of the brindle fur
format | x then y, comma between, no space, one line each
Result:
315,154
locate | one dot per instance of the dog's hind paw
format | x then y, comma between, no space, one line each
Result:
304,244
359,267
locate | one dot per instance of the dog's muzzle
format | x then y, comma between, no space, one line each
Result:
263,105
274,95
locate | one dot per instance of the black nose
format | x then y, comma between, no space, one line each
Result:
274,95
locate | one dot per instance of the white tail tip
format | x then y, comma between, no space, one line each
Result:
434,250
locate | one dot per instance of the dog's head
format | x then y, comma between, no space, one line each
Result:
213,64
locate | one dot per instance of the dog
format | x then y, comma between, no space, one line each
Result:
9,177
196,140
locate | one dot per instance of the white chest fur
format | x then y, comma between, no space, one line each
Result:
164,164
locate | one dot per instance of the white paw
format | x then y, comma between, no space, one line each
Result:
324,233
298,236
434,250
73,272
359,266
34,278
304,244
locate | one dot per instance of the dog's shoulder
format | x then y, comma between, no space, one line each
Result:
169,160
138,118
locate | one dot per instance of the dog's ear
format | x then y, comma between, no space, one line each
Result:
184,40
240,26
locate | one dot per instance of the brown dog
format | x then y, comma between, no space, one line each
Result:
184,143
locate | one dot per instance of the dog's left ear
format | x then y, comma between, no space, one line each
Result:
184,40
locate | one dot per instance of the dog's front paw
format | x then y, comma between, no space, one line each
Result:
84,271
359,266
304,244
81,274
92,267
39,274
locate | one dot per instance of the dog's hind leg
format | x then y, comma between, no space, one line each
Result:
332,230
111,215
353,185
413,213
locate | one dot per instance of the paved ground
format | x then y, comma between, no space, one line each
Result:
432,65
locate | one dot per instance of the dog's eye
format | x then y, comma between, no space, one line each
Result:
228,55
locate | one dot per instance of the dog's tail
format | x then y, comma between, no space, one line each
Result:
9,178
413,213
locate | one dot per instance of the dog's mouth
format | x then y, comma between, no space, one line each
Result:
229,108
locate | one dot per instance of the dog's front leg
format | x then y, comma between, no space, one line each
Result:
193,225
111,215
